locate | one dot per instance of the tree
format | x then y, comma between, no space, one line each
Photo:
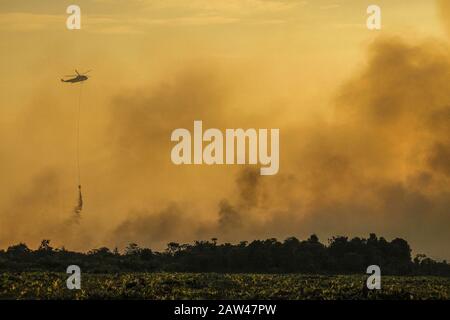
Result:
132,249
18,250
45,246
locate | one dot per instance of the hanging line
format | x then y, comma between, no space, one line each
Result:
79,205
78,134
78,118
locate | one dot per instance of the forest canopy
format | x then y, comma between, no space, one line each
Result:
340,256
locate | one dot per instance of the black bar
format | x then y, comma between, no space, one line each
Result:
152,309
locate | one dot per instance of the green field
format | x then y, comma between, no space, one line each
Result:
42,285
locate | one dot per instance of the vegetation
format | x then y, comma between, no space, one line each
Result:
340,256
44,285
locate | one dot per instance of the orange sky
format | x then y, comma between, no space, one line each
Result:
362,117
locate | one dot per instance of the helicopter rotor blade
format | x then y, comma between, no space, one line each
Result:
87,72
77,72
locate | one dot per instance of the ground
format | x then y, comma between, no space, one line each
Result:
43,285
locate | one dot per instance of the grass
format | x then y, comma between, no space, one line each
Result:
43,285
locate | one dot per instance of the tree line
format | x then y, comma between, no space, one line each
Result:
340,256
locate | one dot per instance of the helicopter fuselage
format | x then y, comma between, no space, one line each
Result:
76,79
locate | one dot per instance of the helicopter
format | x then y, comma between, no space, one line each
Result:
79,77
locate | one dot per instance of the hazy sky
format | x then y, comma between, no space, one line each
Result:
363,117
